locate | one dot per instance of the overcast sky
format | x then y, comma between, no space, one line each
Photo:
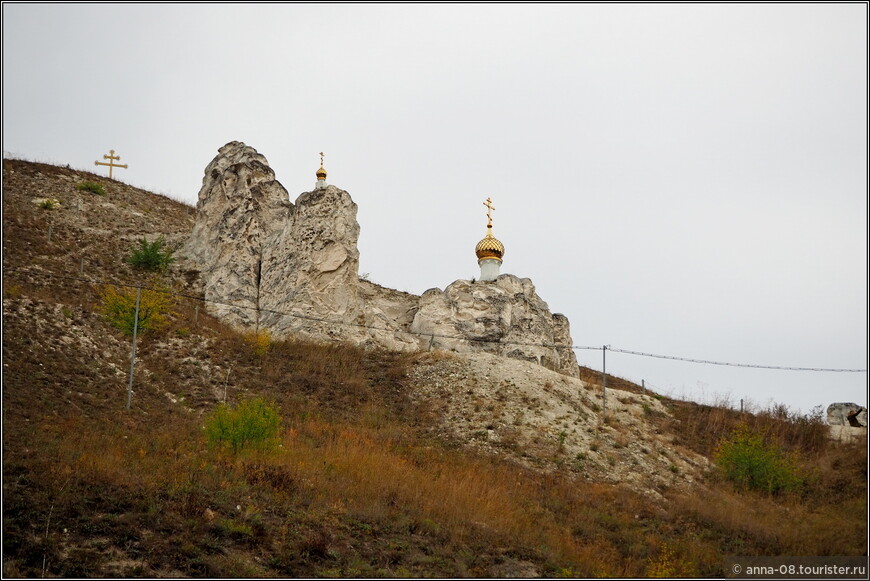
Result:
684,180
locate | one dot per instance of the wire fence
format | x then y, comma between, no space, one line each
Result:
347,323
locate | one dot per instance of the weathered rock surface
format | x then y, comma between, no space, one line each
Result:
294,269
540,418
847,414
847,421
311,267
240,211
505,317
389,314
310,283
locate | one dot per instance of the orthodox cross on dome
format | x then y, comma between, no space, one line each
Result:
490,208
111,157
321,159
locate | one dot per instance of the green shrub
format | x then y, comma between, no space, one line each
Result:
750,462
253,423
49,204
119,308
92,187
151,256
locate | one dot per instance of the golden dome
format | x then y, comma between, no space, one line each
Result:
489,247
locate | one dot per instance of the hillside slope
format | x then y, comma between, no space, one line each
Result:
425,464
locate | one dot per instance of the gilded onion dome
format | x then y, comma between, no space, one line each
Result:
490,246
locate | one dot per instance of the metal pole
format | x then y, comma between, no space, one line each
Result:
133,353
50,226
604,383
82,266
643,385
227,382
196,314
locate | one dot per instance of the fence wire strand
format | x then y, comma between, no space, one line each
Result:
432,335
749,365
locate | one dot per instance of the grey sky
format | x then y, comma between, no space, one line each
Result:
686,180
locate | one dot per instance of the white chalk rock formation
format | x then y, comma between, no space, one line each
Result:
240,211
293,269
505,317
310,283
847,421
392,310
311,268
847,414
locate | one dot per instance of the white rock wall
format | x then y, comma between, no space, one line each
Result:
292,269
311,267
505,317
240,210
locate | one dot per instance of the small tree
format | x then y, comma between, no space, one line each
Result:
750,462
119,308
151,256
253,423
669,565
260,341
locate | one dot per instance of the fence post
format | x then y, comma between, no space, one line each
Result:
50,227
196,314
227,382
133,352
604,381
82,266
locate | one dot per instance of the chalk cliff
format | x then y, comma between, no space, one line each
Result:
240,211
293,269
505,317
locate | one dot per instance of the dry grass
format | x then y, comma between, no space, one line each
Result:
360,491
703,426
326,473
593,378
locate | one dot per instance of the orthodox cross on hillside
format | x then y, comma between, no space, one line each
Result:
111,157
490,208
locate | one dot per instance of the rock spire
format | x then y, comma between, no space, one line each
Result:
240,211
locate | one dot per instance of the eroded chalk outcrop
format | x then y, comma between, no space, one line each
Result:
847,421
293,269
505,317
240,211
